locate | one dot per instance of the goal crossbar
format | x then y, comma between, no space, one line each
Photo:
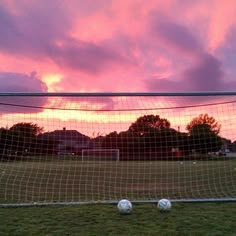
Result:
117,94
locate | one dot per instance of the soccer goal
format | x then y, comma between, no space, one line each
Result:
100,155
76,148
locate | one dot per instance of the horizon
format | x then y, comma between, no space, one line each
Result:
93,116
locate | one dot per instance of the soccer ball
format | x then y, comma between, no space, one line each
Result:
164,205
124,206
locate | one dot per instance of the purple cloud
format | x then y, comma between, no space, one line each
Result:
43,33
175,36
85,56
16,82
206,75
205,71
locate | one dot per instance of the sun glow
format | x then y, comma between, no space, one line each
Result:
52,80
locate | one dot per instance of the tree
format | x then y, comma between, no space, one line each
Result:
203,124
148,123
24,139
203,131
4,141
27,129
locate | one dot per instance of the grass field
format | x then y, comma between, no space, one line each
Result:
198,219
66,180
71,180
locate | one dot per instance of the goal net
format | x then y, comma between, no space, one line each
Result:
100,154
60,148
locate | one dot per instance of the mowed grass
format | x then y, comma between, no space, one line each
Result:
52,180
184,219
72,180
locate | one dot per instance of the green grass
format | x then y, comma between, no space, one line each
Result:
62,180
70,180
184,219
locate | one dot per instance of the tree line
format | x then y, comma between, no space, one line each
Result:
23,139
150,137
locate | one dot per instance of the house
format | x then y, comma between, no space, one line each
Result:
68,142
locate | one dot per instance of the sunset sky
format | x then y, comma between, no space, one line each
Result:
113,45
117,46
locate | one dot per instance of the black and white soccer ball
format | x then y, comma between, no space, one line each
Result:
164,205
124,206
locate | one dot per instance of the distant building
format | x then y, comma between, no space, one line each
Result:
68,141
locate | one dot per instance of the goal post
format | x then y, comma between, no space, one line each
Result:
79,148
100,155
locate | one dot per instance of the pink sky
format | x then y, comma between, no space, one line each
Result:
117,46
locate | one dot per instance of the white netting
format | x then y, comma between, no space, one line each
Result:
66,148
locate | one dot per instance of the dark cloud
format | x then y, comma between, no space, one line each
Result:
85,56
9,33
43,33
203,71
174,36
206,75
16,82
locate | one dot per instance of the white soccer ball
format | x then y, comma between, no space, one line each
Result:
124,206
164,205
